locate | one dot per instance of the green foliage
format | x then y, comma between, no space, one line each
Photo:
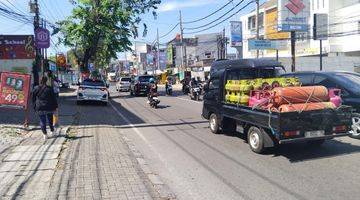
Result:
98,29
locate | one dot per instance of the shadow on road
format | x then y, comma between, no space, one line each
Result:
302,152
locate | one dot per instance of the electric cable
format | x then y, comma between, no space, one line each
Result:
222,20
209,14
194,28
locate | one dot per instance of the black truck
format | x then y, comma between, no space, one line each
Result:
264,128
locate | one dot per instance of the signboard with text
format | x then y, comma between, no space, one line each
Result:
267,44
236,33
321,25
16,47
293,15
14,90
42,38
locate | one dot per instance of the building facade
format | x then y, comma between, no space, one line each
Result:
341,50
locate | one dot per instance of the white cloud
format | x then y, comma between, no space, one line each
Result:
179,4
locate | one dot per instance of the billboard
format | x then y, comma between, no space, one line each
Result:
293,15
149,59
14,90
271,21
17,47
321,26
236,33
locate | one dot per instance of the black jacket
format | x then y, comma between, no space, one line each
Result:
44,99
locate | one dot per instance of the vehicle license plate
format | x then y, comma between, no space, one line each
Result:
310,134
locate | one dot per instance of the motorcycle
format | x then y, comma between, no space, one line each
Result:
154,101
195,93
186,89
169,89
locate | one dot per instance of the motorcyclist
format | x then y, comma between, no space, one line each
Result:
152,89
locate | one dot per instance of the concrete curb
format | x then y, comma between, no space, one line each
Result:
160,187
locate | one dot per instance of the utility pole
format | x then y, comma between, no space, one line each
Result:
293,40
37,50
158,48
257,24
224,45
183,48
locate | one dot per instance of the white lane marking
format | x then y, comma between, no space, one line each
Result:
198,102
137,131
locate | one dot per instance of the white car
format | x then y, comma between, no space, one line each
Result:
93,90
123,85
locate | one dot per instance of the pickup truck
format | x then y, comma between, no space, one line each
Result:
264,128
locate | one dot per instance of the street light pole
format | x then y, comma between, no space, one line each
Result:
257,24
158,49
182,41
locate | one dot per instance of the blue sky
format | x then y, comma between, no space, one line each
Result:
168,16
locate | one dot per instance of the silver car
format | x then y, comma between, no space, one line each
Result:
93,90
123,85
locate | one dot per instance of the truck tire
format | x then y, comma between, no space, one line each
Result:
256,139
315,143
214,123
355,132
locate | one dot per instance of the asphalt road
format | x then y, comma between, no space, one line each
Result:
197,164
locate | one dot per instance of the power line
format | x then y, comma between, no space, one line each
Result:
194,28
16,7
48,11
222,20
211,14
169,31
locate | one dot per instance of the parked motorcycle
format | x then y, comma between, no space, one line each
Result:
169,89
195,93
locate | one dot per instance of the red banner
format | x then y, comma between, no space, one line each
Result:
14,90
17,47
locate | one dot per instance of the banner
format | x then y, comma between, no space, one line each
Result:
14,90
17,47
170,54
236,33
163,60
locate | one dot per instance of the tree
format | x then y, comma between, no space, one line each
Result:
98,29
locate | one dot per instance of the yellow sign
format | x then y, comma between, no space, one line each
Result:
271,22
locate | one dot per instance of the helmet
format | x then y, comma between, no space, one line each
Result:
152,80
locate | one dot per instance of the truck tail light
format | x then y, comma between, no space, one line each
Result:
291,133
337,129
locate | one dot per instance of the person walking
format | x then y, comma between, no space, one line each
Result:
45,103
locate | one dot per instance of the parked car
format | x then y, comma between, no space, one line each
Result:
123,84
140,85
348,82
93,90
261,127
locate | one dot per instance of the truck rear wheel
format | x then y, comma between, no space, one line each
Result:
214,123
256,139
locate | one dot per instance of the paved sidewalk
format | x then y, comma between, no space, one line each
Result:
27,170
99,165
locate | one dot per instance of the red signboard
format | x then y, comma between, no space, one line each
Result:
14,90
17,47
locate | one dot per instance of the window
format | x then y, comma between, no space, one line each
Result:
306,79
324,81
251,22
261,20
214,84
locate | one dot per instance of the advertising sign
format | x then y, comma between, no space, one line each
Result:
42,38
17,47
271,21
321,26
150,59
170,54
293,15
14,90
267,44
162,60
236,33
